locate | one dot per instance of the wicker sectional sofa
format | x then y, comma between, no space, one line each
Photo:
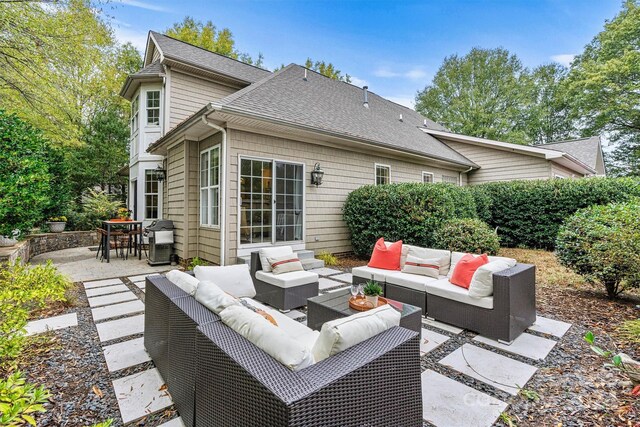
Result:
502,316
218,378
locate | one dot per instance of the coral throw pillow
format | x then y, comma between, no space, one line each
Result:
468,264
386,257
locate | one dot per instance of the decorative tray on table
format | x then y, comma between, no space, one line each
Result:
361,304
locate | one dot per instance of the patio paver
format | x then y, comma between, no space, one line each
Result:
325,271
117,310
111,299
491,368
550,326
140,285
113,329
431,340
444,326
346,277
105,290
448,403
176,422
141,394
100,283
527,345
324,283
139,278
125,354
52,323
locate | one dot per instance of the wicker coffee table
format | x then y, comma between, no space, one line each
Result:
334,305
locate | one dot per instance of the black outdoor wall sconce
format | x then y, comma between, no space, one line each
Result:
316,175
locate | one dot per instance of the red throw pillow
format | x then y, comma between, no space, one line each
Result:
387,258
463,272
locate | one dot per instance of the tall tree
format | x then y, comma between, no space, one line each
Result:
479,94
604,82
327,69
52,61
548,116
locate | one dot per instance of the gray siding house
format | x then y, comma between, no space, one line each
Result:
226,151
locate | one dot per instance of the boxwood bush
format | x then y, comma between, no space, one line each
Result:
602,243
467,235
529,213
411,212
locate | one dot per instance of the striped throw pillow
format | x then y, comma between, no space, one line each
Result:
422,266
285,264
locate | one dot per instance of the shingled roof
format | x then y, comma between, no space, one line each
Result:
323,104
584,149
202,58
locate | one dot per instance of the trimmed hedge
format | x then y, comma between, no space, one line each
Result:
602,243
467,235
411,212
529,213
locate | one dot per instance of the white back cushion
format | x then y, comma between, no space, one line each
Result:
456,256
482,280
272,253
340,334
233,279
215,299
443,256
184,281
268,337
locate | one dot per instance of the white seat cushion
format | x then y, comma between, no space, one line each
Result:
273,252
340,334
456,256
233,279
272,339
445,289
482,280
442,255
215,299
293,328
410,281
371,273
287,280
184,281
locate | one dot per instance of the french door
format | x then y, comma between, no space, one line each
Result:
271,213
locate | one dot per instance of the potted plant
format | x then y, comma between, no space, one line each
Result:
372,291
124,214
57,224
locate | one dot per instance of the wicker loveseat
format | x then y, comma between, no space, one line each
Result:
502,316
218,378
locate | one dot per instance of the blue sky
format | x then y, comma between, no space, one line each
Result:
393,46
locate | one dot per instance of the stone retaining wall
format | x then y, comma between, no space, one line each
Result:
37,244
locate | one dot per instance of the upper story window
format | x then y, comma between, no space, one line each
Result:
210,186
135,111
427,177
153,107
450,179
383,174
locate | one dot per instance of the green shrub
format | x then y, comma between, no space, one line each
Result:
602,243
467,235
529,213
411,212
97,206
22,289
328,258
20,401
196,261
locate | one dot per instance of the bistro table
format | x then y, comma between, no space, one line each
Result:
132,226
334,305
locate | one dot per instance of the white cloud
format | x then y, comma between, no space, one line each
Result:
564,58
412,74
358,82
142,5
137,38
402,100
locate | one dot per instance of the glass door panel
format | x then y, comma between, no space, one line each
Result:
256,194
288,202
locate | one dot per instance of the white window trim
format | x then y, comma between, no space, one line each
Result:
145,194
558,176
209,188
433,178
375,172
295,244
146,108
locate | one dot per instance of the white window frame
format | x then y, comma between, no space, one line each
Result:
209,223
151,172
433,178
558,176
135,114
147,108
375,173
447,182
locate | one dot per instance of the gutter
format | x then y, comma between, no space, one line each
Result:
223,190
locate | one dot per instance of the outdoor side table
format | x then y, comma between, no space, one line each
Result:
334,305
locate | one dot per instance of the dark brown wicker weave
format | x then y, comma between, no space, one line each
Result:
514,306
158,293
275,296
375,383
185,315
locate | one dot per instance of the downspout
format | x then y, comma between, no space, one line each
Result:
467,171
223,173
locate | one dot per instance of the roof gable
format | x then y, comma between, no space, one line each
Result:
587,150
